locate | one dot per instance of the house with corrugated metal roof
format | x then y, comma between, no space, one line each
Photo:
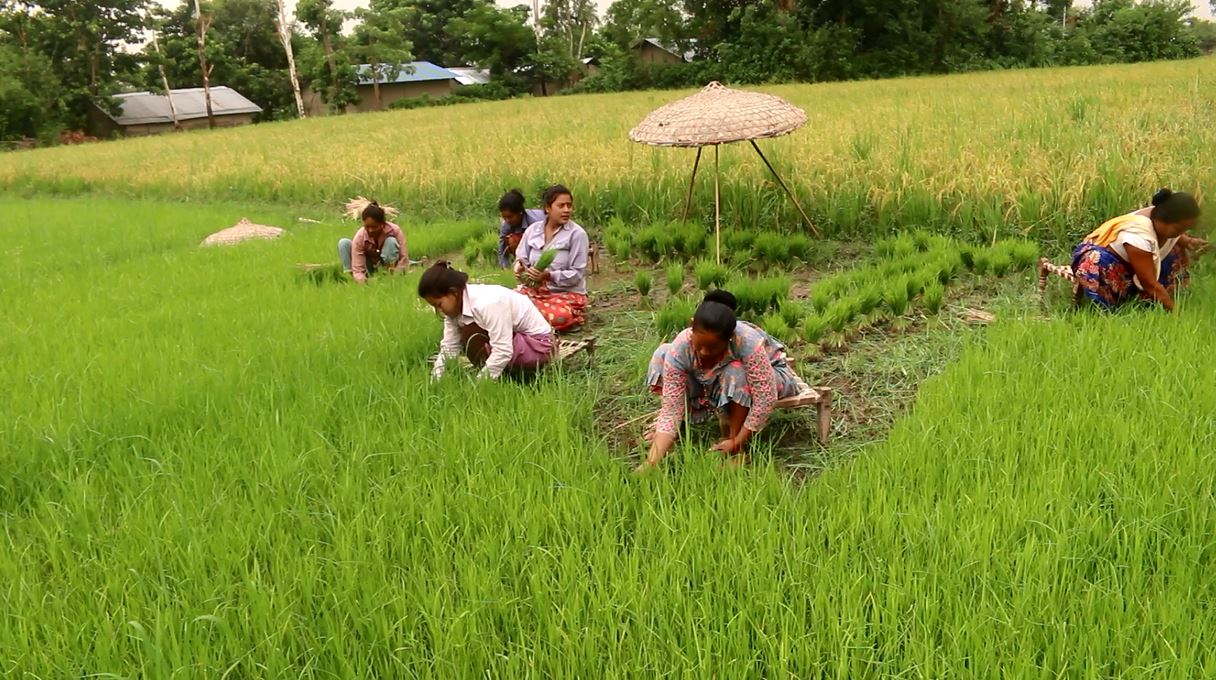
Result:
149,113
655,51
470,75
414,79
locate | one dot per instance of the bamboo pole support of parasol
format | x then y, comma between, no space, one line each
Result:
692,183
783,186
717,208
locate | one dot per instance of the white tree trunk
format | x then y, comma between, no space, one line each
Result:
284,28
202,61
165,81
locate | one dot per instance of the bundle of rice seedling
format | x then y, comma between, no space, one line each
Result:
792,312
869,298
772,248
840,314
895,297
642,281
1000,262
776,326
620,250
935,294
710,273
1025,254
675,277
800,247
814,327
546,259
472,252
674,316
738,239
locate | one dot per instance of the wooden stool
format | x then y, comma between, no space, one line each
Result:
819,397
568,348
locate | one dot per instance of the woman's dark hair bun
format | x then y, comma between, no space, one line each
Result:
722,297
717,314
1163,194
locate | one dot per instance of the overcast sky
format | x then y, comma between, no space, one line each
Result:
1202,7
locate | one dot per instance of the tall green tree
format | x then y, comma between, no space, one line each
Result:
553,66
83,41
30,105
379,42
1123,30
497,39
428,25
324,24
243,52
628,21
566,26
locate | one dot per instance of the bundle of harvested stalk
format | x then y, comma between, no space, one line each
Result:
356,205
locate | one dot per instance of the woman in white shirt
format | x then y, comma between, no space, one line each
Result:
496,328
1142,255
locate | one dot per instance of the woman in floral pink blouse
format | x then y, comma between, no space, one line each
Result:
720,365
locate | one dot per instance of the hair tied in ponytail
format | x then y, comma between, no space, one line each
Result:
1163,194
440,279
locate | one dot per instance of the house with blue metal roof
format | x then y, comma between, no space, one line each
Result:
414,79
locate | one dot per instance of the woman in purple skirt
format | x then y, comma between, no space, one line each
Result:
496,328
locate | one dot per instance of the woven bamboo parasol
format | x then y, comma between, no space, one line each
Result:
242,231
719,115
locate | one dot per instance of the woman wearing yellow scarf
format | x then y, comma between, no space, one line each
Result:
1142,255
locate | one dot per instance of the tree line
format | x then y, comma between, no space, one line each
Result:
59,58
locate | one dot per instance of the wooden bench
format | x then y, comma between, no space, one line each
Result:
819,397
569,348
1047,270
593,257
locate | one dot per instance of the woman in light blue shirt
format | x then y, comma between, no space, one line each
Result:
558,289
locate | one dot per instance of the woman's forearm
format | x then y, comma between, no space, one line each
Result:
1160,294
660,447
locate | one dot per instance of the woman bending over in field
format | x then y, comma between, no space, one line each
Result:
496,328
1142,255
377,243
551,262
719,365
515,220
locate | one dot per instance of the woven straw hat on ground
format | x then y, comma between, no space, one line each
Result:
242,231
719,115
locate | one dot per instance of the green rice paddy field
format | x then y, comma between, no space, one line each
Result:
213,466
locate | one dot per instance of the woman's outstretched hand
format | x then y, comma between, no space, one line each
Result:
727,446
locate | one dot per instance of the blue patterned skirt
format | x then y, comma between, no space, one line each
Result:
1105,279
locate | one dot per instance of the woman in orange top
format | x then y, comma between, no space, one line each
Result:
1142,255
